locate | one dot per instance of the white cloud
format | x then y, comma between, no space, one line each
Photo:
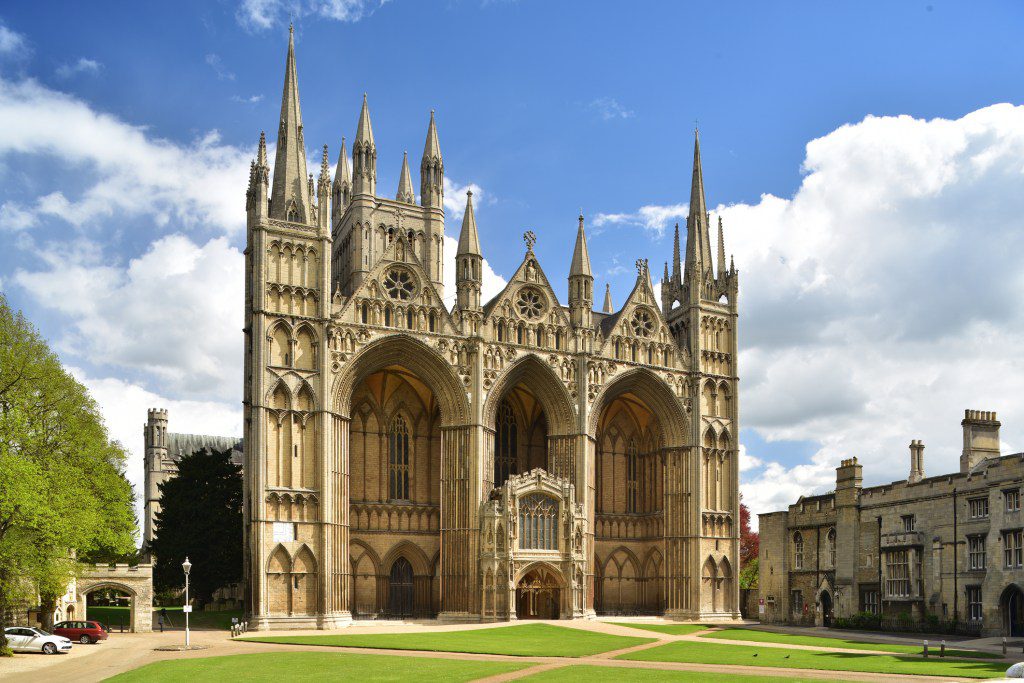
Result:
124,405
11,41
252,99
259,15
174,314
455,197
217,64
125,170
653,218
609,109
455,208
83,65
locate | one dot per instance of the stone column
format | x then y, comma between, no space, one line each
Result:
456,519
679,518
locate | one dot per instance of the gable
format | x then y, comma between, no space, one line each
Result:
638,331
527,301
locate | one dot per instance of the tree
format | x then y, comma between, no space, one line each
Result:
200,517
63,492
750,541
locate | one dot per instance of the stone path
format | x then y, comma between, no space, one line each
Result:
123,652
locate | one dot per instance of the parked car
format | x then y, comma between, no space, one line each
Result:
28,639
84,632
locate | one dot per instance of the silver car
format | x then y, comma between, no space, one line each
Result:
28,639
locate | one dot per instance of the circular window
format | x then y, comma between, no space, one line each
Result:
642,323
530,303
399,284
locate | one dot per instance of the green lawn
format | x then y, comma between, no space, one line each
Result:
671,629
611,674
716,653
115,616
817,641
524,640
313,666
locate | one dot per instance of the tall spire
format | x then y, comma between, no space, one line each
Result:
342,172
698,242
432,169
289,199
364,155
580,256
341,189
608,308
405,191
676,265
721,248
469,240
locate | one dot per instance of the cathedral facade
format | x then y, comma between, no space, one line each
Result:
508,459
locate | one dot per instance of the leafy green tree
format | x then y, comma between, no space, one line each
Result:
63,493
200,518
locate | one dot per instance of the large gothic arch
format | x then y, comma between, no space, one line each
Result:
415,356
538,376
656,393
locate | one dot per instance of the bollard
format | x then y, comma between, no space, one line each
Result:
942,649
926,649
1004,646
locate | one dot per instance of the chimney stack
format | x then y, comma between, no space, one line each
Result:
916,462
981,438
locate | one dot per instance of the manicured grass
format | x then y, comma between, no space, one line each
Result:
818,641
524,640
313,666
611,674
715,653
115,616
671,629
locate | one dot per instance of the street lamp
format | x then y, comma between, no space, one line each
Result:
187,566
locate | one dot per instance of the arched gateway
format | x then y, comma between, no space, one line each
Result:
413,454
135,581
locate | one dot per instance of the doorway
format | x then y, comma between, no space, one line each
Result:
826,609
400,589
537,595
1012,607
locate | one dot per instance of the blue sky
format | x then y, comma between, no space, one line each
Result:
846,245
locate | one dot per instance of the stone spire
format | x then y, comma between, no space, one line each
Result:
289,199
323,193
342,188
432,169
405,192
364,155
580,256
581,282
469,271
608,308
469,240
721,249
698,243
257,195
676,265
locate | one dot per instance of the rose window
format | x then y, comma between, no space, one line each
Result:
530,304
399,285
642,324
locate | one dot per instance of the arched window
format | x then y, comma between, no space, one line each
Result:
387,317
798,551
505,454
538,522
519,334
501,330
364,312
632,477
432,321
398,460
830,539
408,319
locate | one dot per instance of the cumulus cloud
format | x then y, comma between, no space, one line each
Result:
455,197
121,168
82,66
11,42
214,61
259,15
654,219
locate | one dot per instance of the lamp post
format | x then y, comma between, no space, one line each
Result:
187,566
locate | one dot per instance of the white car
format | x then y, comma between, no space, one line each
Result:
27,639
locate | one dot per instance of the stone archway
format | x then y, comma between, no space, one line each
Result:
1011,609
136,581
539,592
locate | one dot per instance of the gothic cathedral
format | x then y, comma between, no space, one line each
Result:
509,459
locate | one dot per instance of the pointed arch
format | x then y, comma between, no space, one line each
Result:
541,380
305,347
305,401
279,398
279,345
412,552
304,561
656,393
279,562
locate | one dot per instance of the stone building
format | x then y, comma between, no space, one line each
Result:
494,460
944,547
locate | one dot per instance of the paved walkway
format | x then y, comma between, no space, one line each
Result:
123,652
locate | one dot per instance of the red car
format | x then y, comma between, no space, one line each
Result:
84,632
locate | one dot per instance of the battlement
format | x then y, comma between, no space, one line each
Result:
157,415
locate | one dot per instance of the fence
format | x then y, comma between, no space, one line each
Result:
902,623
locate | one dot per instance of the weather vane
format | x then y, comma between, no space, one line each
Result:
530,239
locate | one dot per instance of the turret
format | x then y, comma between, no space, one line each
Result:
469,270
323,195
342,188
581,282
364,155
432,169
290,198
154,434
405,192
